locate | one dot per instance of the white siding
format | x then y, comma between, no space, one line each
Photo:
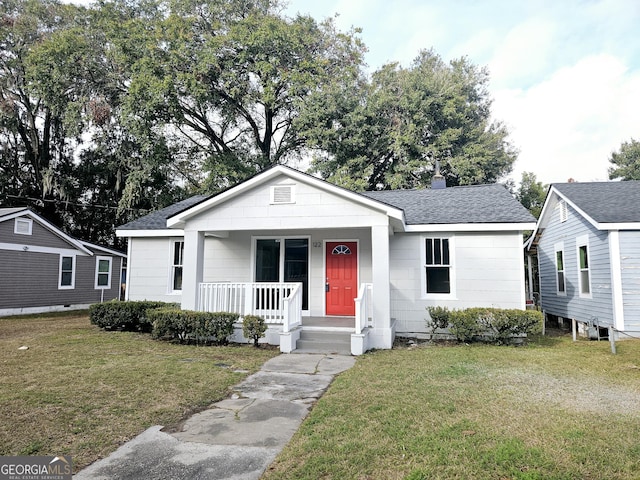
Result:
489,272
149,270
231,260
313,208
228,259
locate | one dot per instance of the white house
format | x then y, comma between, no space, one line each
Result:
308,255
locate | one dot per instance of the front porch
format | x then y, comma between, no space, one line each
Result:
280,305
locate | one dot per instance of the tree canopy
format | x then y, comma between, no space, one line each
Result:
531,193
110,111
390,131
625,163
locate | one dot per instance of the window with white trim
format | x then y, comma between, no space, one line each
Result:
177,260
283,260
23,226
67,274
437,266
103,272
584,280
561,286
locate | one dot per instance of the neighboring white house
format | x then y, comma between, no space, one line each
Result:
587,243
289,246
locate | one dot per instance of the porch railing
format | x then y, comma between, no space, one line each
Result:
277,303
364,306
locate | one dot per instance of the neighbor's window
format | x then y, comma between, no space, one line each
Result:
103,272
560,280
437,265
583,266
176,265
67,272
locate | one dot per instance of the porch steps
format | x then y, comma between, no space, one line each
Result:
315,341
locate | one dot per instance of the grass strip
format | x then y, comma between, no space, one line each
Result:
81,391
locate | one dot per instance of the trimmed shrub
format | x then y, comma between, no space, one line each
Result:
499,325
464,325
506,324
439,318
129,316
253,327
190,326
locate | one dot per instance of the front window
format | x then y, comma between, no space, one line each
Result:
177,259
437,266
583,267
67,272
560,278
103,272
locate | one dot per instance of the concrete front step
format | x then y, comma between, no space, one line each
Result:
324,342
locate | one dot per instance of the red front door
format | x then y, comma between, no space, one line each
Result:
341,278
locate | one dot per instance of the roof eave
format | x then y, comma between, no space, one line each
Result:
109,251
619,226
164,232
472,227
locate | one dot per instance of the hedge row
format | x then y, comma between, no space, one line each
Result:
189,326
130,316
499,325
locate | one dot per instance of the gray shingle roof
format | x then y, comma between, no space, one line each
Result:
454,205
5,211
158,220
467,204
605,202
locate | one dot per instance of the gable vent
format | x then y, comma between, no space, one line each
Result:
23,226
282,194
562,208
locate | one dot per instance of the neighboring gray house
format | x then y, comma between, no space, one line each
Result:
587,242
310,256
44,269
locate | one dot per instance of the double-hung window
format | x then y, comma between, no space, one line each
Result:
67,272
438,274
177,259
103,272
584,280
559,261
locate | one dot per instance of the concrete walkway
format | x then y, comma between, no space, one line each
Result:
236,438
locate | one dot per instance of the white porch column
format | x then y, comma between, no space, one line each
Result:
192,268
380,280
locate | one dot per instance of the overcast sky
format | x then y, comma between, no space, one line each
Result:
565,74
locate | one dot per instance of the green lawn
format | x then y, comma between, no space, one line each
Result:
81,391
551,410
